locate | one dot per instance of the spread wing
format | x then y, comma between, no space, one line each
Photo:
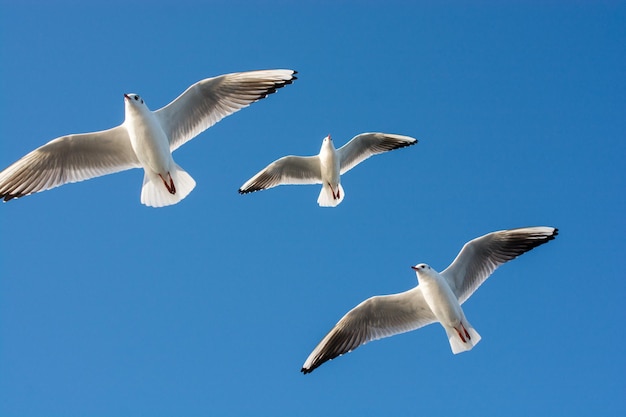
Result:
365,145
481,256
375,318
67,159
286,170
210,100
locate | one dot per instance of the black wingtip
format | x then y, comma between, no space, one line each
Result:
7,197
252,189
277,86
406,144
552,235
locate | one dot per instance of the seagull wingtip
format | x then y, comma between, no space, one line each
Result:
8,197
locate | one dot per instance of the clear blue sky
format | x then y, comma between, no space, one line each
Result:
211,306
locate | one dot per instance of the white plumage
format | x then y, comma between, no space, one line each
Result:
436,298
145,140
327,167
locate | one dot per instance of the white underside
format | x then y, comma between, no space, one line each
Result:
456,343
155,194
326,198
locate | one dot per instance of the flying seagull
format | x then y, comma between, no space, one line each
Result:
437,297
327,167
146,139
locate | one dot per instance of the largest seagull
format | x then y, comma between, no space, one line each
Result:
146,139
437,297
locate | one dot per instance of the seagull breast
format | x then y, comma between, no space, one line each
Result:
148,139
329,163
439,296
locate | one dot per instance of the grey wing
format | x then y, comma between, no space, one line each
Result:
68,159
286,170
481,256
210,100
365,145
375,318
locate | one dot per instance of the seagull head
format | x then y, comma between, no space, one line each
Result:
421,268
133,98
327,145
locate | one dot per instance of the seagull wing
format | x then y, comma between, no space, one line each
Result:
375,318
210,100
286,170
67,159
365,145
481,256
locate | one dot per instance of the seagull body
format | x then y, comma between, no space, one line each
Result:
330,175
146,139
446,309
327,167
437,297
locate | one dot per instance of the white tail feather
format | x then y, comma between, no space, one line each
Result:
155,194
456,344
326,198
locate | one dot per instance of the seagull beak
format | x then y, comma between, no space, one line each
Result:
414,268
126,96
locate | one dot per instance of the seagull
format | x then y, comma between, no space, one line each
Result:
327,167
436,298
146,139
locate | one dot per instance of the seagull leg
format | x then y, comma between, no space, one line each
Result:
460,335
335,196
466,333
170,187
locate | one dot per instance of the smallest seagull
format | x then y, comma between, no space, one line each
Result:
437,297
327,167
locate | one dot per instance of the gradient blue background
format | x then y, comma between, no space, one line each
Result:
210,307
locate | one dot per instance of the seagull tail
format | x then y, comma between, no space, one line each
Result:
154,192
456,342
329,197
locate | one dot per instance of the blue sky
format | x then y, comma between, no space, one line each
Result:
211,306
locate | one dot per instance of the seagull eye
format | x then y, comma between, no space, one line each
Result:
136,98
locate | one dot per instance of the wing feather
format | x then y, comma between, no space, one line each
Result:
286,170
375,318
481,256
208,101
68,159
365,145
